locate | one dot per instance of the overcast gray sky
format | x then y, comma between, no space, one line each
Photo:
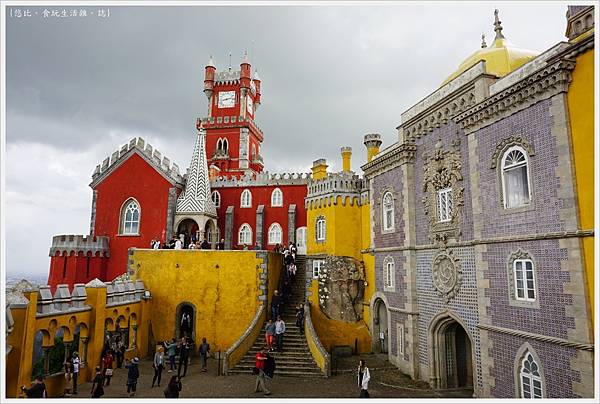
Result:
80,87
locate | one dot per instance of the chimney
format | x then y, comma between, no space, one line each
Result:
319,169
372,142
346,155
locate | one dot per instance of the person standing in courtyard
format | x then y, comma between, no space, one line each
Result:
184,351
171,348
300,317
261,358
173,388
363,379
221,245
68,376
76,362
97,384
107,367
158,364
279,331
204,352
37,389
133,374
275,303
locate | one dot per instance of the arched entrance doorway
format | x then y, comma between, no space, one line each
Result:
451,354
211,233
189,228
301,240
185,320
380,327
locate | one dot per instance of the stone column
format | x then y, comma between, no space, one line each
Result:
93,217
46,360
260,226
292,223
68,347
134,336
171,205
229,228
84,344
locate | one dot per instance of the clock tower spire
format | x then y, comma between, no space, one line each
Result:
232,138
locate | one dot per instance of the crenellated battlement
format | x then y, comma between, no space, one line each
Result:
153,156
261,179
345,188
66,244
228,77
233,120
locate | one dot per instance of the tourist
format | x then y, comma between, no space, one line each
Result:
269,368
363,379
173,388
300,317
192,246
76,362
221,245
68,376
293,250
183,356
37,389
178,244
171,348
156,245
186,323
107,364
205,245
270,334
122,350
286,292
204,352
275,302
97,383
158,365
259,366
152,243
133,373
279,331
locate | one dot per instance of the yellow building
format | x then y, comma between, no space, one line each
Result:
580,101
339,253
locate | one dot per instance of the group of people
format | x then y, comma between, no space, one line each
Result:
181,243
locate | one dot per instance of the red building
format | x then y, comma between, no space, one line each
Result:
139,196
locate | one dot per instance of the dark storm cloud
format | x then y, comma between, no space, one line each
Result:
77,88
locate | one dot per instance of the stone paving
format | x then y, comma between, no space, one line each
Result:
385,383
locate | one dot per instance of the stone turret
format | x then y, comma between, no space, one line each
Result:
372,141
346,156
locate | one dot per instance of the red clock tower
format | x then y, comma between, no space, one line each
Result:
232,138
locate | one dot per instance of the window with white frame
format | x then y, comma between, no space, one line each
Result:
515,178
275,234
400,339
389,273
444,205
320,228
388,212
316,267
130,217
225,145
530,378
277,197
216,198
245,234
524,279
246,199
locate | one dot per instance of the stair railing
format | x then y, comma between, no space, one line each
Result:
237,351
318,352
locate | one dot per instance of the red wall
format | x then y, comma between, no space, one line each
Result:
76,269
261,195
138,179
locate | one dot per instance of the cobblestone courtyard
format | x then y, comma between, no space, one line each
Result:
385,383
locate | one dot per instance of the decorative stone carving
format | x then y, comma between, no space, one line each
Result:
519,255
505,144
442,171
446,274
341,288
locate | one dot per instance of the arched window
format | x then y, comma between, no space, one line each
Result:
130,217
320,228
515,177
530,378
524,279
389,274
277,197
219,144
225,145
246,199
388,212
275,234
245,234
216,198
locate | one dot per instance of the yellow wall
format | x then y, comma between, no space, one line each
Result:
368,259
91,322
580,99
223,287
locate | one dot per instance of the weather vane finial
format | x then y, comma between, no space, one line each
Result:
483,44
497,25
229,61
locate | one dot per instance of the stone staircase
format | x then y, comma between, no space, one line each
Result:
296,359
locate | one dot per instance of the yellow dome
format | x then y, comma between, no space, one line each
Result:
500,59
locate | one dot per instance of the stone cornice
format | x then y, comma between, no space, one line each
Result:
538,337
575,49
548,81
401,154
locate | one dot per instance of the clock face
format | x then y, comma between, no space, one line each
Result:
226,99
249,104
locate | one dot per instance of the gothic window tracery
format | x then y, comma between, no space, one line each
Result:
388,212
130,217
530,378
275,234
320,228
246,199
216,198
515,178
277,197
245,234
389,274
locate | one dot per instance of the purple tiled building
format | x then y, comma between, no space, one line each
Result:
480,278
